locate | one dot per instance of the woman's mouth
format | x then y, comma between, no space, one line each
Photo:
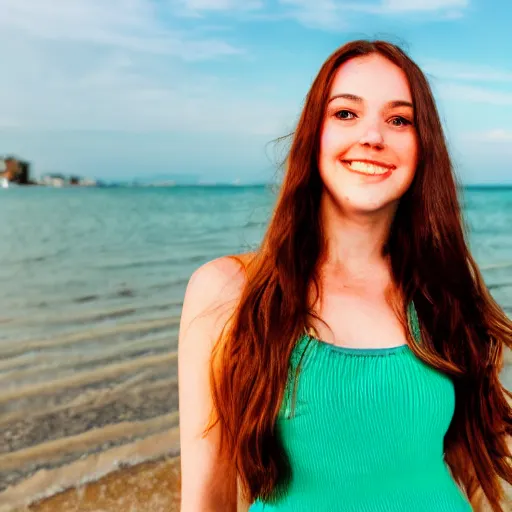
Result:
367,168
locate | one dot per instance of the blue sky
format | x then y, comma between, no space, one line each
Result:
134,88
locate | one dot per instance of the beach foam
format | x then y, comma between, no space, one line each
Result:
48,483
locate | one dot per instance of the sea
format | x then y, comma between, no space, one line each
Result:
91,288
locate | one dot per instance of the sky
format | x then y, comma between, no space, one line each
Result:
200,89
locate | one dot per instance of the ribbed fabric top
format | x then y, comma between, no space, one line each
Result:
363,430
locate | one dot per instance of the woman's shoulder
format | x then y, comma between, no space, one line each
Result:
221,276
213,291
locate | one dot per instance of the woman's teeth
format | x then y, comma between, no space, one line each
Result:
367,168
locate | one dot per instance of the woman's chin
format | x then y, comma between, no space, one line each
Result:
366,206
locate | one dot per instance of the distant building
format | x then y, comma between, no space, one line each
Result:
13,170
53,180
60,180
86,182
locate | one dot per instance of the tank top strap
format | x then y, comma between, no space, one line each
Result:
299,351
413,322
296,359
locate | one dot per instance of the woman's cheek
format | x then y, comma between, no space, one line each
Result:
332,141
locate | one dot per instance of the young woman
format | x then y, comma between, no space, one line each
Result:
351,363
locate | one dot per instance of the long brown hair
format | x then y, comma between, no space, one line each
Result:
464,331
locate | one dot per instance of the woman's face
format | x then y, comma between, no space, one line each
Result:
368,148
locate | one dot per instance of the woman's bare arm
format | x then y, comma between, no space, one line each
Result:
208,483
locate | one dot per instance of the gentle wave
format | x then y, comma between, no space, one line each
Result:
86,377
127,265
46,366
93,316
53,451
137,328
92,290
497,286
48,482
494,266
42,258
140,383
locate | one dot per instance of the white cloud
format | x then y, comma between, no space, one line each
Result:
467,72
499,135
118,91
131,25
475,94
423,5
219,5
95,65
496,135
441,9
320,13
334,14
453,14
485,154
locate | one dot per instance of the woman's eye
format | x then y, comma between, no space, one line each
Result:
342,114
402,121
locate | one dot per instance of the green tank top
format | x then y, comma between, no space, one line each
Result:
363,430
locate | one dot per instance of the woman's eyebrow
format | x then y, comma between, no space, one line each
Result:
358,99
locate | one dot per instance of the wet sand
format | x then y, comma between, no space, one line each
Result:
152,486
147,487
102,423
140,476
78,405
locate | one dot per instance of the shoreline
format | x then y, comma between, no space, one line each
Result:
147,487
78,458
143,476
150,486
48,487
92,422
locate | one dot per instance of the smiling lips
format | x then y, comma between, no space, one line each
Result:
369,167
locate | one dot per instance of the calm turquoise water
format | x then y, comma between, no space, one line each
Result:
73,258
92,280
69,253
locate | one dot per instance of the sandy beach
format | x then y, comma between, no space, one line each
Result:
128,460
147,479
107,447
69,420
147,487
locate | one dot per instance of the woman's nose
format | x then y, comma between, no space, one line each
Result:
372,137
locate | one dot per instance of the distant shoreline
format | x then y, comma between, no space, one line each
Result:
504,186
